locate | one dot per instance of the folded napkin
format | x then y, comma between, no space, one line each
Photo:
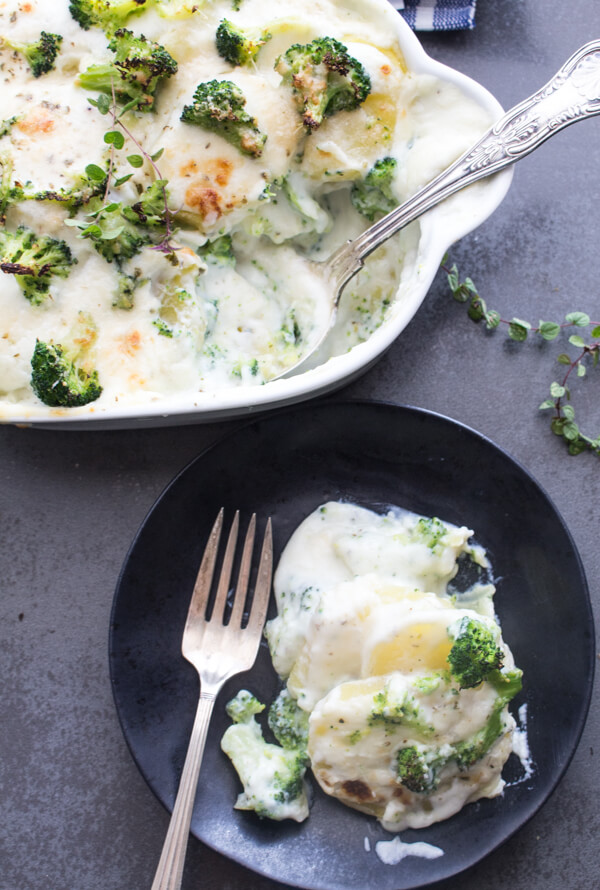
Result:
437,15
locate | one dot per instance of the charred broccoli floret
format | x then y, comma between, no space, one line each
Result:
288,722
236,46
475,653
85,188
58,380
113,234
41,54
133,77
218,106
150,209
107,14
373,196
272,776
324,78
34,260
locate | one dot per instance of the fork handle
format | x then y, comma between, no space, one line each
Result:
170,867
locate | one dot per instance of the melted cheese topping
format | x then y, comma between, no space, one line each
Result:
367,607
237,326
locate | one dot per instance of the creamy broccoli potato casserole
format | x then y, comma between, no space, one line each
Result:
396,677
166,170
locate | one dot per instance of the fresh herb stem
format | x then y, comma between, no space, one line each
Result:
115,138
563,421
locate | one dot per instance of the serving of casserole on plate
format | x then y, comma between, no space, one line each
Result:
166,170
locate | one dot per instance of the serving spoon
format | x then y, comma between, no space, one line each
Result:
573,94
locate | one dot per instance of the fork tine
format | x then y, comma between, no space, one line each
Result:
262,590
243,575
206,571
223,585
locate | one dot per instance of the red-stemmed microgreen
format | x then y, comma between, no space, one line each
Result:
563,421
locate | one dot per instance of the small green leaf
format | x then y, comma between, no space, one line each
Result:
136,160
114,137
580,370
157,154
477,309
547,403
563,359
568,411
596,331
492,319
549,330
557,390
103,104
518,329
579,319
122,179
95,173
570,430
576,340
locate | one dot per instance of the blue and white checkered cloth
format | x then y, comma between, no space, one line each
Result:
437,15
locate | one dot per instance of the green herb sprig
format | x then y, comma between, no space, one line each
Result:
563,421
115,138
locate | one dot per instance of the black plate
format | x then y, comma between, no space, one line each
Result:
372,454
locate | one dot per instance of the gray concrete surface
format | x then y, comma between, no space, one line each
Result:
76,814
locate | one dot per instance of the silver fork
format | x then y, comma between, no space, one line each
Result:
217,651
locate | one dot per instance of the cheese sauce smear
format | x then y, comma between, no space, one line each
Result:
389,649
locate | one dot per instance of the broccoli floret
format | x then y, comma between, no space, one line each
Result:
82,192
391,711
416,768
236,46
218,106
125,291
8,191
34,260
113,234
41,55
507,684
150,209
107,14
58,381
133,77
373,196
475,652
272,776
288,722
219,252
243,707
325,79
7,124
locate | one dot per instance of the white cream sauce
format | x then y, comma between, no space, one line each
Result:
394,851
245,325
365,615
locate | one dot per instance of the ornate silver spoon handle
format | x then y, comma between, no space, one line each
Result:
572,95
